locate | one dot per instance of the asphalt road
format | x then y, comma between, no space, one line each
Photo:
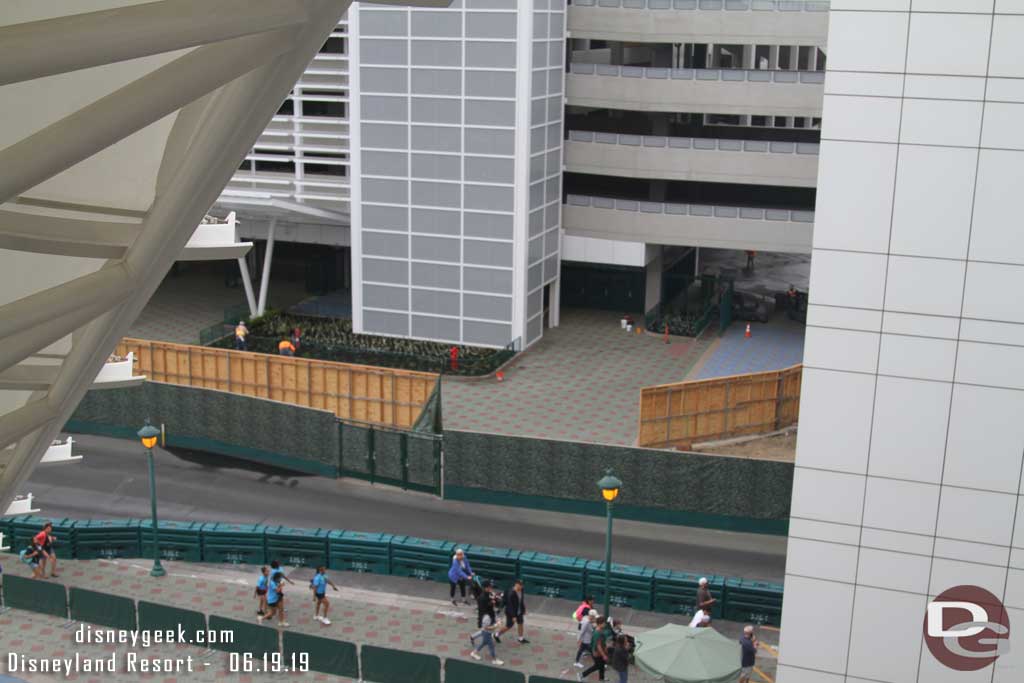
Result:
112,482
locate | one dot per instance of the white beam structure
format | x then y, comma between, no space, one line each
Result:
123,121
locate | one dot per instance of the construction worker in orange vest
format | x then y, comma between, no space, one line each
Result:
286,348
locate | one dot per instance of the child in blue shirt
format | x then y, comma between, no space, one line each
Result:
318,584
275,600
261,590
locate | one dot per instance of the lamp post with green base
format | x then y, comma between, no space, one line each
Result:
148,434
609,485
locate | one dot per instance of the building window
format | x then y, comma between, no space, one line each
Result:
324,109
287,108
334,46
326,169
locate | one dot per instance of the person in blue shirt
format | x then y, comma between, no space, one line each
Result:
261,590
460,574
275,600
318,584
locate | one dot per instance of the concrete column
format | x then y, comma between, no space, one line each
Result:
653,271
243,267
267,258
773,57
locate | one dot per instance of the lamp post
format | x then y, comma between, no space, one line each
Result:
609,485
149,434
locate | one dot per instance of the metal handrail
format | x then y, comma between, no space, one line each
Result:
713,5
666,73
702,210
719,144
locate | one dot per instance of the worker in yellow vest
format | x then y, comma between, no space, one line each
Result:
241,332
286,348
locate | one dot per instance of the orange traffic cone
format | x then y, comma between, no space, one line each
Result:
747,333
500,375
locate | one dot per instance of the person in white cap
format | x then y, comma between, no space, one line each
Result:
704,600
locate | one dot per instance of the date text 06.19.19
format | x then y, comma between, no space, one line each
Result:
273,662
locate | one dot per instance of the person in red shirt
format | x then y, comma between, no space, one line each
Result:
43,541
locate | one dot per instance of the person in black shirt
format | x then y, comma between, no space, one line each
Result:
748,651
485,604
515,611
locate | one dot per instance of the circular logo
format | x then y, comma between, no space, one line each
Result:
966,628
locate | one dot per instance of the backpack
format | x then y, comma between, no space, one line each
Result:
580,611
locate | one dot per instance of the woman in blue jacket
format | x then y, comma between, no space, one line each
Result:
460,575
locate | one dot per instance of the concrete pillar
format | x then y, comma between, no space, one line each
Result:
268,257
653,271
773,57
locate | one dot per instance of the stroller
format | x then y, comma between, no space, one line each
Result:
630,641
476,587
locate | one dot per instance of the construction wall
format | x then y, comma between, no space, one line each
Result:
355,392
682,414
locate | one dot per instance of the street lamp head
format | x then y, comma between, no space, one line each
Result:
609,485
148,434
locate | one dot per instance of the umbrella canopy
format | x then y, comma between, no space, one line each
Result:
681,654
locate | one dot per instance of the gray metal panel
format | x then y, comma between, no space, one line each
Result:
551,243
379,322
383,79
436,82
536,222
551,269
385,191
435,248
552,189
490,170
551,215
554,162
435,194
556,53
430,301
436,24
487,253
385,135
429,327
555,78
490,113
555,108
435,139
377,270
555,135
487,307
534,277
384,244
486,280
490,55
492,225
540,55
385,217
539,83
534,329
481,141
535,250
384,108
435,275
537,171
491,83
436,110
382,23
538,112
436,221
382,51
490,25
487,198
490,334
540,25
491,4
386,163
436,53
534,302
538,140
440,166
536,196
394,298
556,28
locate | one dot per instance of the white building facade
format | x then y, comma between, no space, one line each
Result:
909,455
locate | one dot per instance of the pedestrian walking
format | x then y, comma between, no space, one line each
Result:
486,637
515,613
704,600
261,591
748,653
44,542
31,555
599,650
582,611
318,584
275,600
459,574
585,638
485,604
278,573
241,333
619,658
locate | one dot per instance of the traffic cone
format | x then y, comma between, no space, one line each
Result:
747,333
500,376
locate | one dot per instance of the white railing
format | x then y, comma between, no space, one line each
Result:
666,73
714,5
21,505
60,451
116,370
702,210
719,144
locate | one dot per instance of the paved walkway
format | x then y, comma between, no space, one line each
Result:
774,345
773,272
581,382
385,611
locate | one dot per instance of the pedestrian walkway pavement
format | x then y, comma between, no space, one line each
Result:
774,345
581,382
385,611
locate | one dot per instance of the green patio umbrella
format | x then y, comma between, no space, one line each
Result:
681,654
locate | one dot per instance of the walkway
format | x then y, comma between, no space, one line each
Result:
581,382
774,345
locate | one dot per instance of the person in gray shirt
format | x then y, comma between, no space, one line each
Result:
585,637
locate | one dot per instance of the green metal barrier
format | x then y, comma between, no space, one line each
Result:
234,543
553,575
460,671
297,547
421,558
43,597
334,657
154,617
356,551
676,592
178,540
630,586
755,602
545,679
107,539
384,665
100,608
500,565
24,527
247,637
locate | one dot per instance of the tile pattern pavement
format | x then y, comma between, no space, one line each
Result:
774,345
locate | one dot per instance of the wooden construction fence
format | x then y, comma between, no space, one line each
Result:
682,414
357,392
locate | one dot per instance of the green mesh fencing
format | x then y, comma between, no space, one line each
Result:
546,679
388,457
459,671
245,637
421,457
103,609
154,617
384,665
356,449
334,657
35,596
